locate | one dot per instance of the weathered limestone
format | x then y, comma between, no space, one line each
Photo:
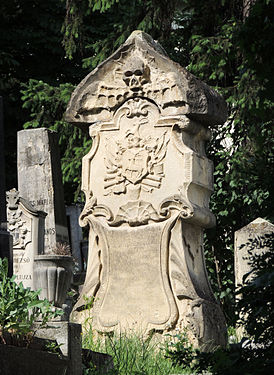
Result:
254,230
5,237
243,238
40,181
27,226
147,183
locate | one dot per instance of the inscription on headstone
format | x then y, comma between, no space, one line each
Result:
27,228
40,181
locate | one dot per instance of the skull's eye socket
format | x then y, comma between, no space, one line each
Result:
128,73
138,72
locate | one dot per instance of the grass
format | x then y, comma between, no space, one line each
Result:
132,355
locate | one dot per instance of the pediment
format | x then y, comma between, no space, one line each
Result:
141,68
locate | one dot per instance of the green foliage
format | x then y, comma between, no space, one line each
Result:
131,354
215,41
101,26
20,307
180,351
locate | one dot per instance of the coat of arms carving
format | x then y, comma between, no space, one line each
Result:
135,158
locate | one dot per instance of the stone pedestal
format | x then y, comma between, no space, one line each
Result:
147,183
40,181
27,226
53,275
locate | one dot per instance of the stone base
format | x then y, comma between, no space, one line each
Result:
68,335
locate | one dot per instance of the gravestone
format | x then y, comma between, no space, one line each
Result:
5,237
243,237
40,181
75,233
147,183
27,226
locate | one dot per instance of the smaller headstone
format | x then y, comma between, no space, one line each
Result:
26,226
75,233
40,181
244,237
254,230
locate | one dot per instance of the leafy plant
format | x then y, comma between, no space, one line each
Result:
180,350
132,354
20,308
62,248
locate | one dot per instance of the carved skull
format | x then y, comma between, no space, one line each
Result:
136,74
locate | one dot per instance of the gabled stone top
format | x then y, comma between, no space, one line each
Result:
258,225
141,68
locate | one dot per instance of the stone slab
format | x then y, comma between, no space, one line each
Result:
40,181
254,230
26,226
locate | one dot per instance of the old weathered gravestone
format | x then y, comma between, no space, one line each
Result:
249,237
27,226
147,183
255,230
40,181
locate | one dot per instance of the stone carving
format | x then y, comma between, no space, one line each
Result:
135,159
26,225
17,225
147,183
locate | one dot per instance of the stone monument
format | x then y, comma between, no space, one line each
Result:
147,183
255,230
27,226
40,181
